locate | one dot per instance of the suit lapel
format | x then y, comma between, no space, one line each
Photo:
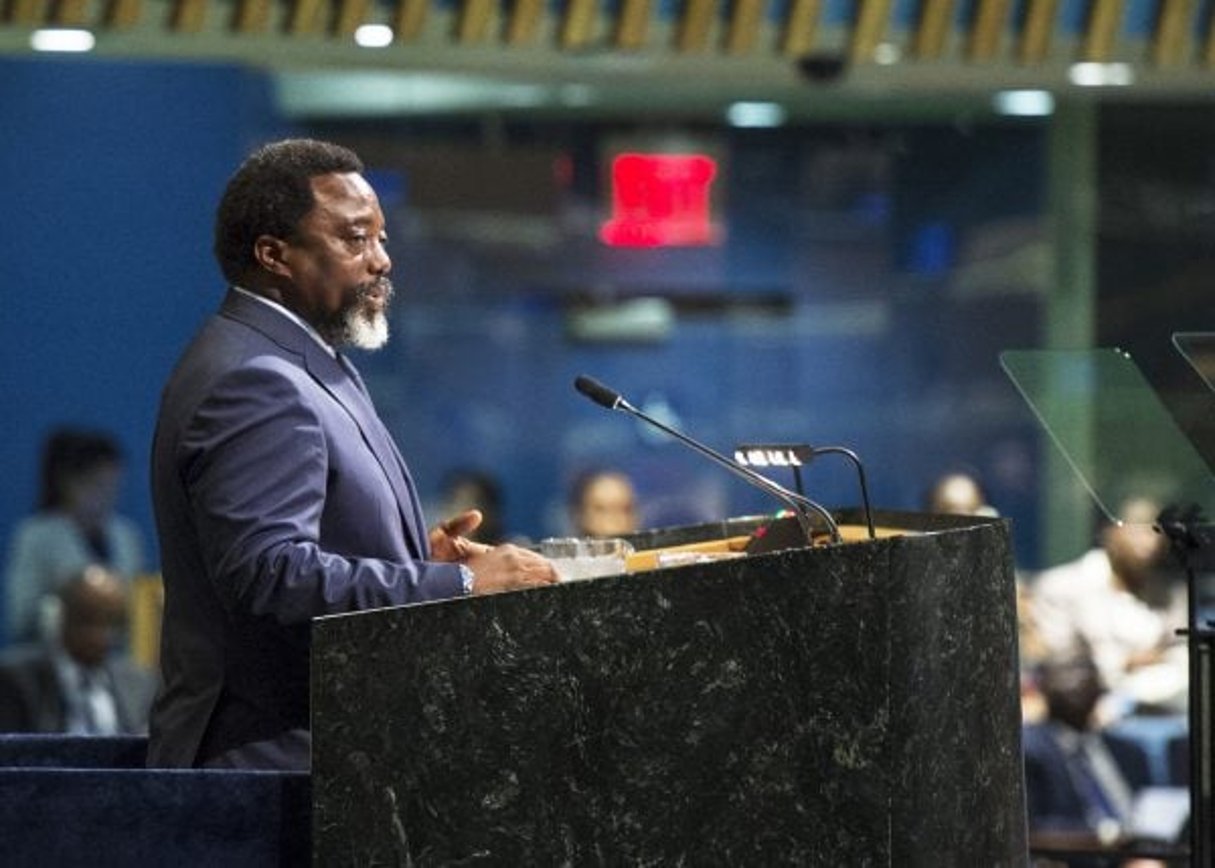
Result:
344,386
347,392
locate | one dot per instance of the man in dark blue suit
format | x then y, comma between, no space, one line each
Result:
1078,778
79,682
279,494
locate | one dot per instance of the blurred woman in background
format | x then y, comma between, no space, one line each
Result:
75,525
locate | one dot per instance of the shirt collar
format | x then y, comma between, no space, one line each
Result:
291,315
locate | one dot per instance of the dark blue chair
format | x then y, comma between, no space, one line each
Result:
73,751
72,801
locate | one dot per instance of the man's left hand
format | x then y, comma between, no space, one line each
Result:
448,542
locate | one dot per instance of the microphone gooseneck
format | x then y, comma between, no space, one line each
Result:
801,506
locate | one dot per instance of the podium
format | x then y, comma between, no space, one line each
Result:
850,704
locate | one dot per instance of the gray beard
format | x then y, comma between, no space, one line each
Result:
357,326
363,332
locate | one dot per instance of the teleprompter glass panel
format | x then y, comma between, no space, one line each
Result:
1112,428
1198,348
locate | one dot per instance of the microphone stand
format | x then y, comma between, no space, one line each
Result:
804,453
1193,542
800,505
860,472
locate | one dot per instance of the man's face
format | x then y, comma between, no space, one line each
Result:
1135,549
337,264
90,497
608,508
93,619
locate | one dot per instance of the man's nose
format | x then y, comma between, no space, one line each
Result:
381,262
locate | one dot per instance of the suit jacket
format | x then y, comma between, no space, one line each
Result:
1054,801
279,497
32,698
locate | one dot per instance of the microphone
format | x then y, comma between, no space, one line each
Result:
599,393
801,505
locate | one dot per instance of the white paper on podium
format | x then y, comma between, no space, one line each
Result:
1159,813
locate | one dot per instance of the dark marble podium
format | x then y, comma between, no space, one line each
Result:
853,704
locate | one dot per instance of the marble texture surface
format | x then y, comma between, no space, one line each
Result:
842,705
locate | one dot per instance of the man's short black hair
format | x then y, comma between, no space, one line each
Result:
269,195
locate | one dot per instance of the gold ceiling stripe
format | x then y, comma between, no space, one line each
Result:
936,18
305,17
122,13
28,13
1170,41
524,21
989,21
1101,34
744,26
251,16
692,32
350,15
70,13
473,22
188,16
632,23
1035,40
409,19
578,23
869,30
797,37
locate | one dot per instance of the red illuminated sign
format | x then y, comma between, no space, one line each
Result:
660,200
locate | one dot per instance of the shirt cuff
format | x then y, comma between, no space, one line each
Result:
467,577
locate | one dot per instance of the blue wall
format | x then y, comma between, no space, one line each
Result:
110,172
874,341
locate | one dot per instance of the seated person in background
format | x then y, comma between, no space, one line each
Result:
1077,778
76,684
1120,602
75,525
465,489
957,494
1030,653
603,503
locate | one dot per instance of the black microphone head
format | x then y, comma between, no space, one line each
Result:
597,392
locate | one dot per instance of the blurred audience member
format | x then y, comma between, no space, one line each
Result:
1031,652
77,683
1121,602
465,489
1077,778
958,494
603,503
75,525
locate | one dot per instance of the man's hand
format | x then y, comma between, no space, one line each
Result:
495,568
507,568
448,543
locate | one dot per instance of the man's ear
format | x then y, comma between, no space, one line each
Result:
271,254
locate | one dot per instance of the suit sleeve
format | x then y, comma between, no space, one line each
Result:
254,462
